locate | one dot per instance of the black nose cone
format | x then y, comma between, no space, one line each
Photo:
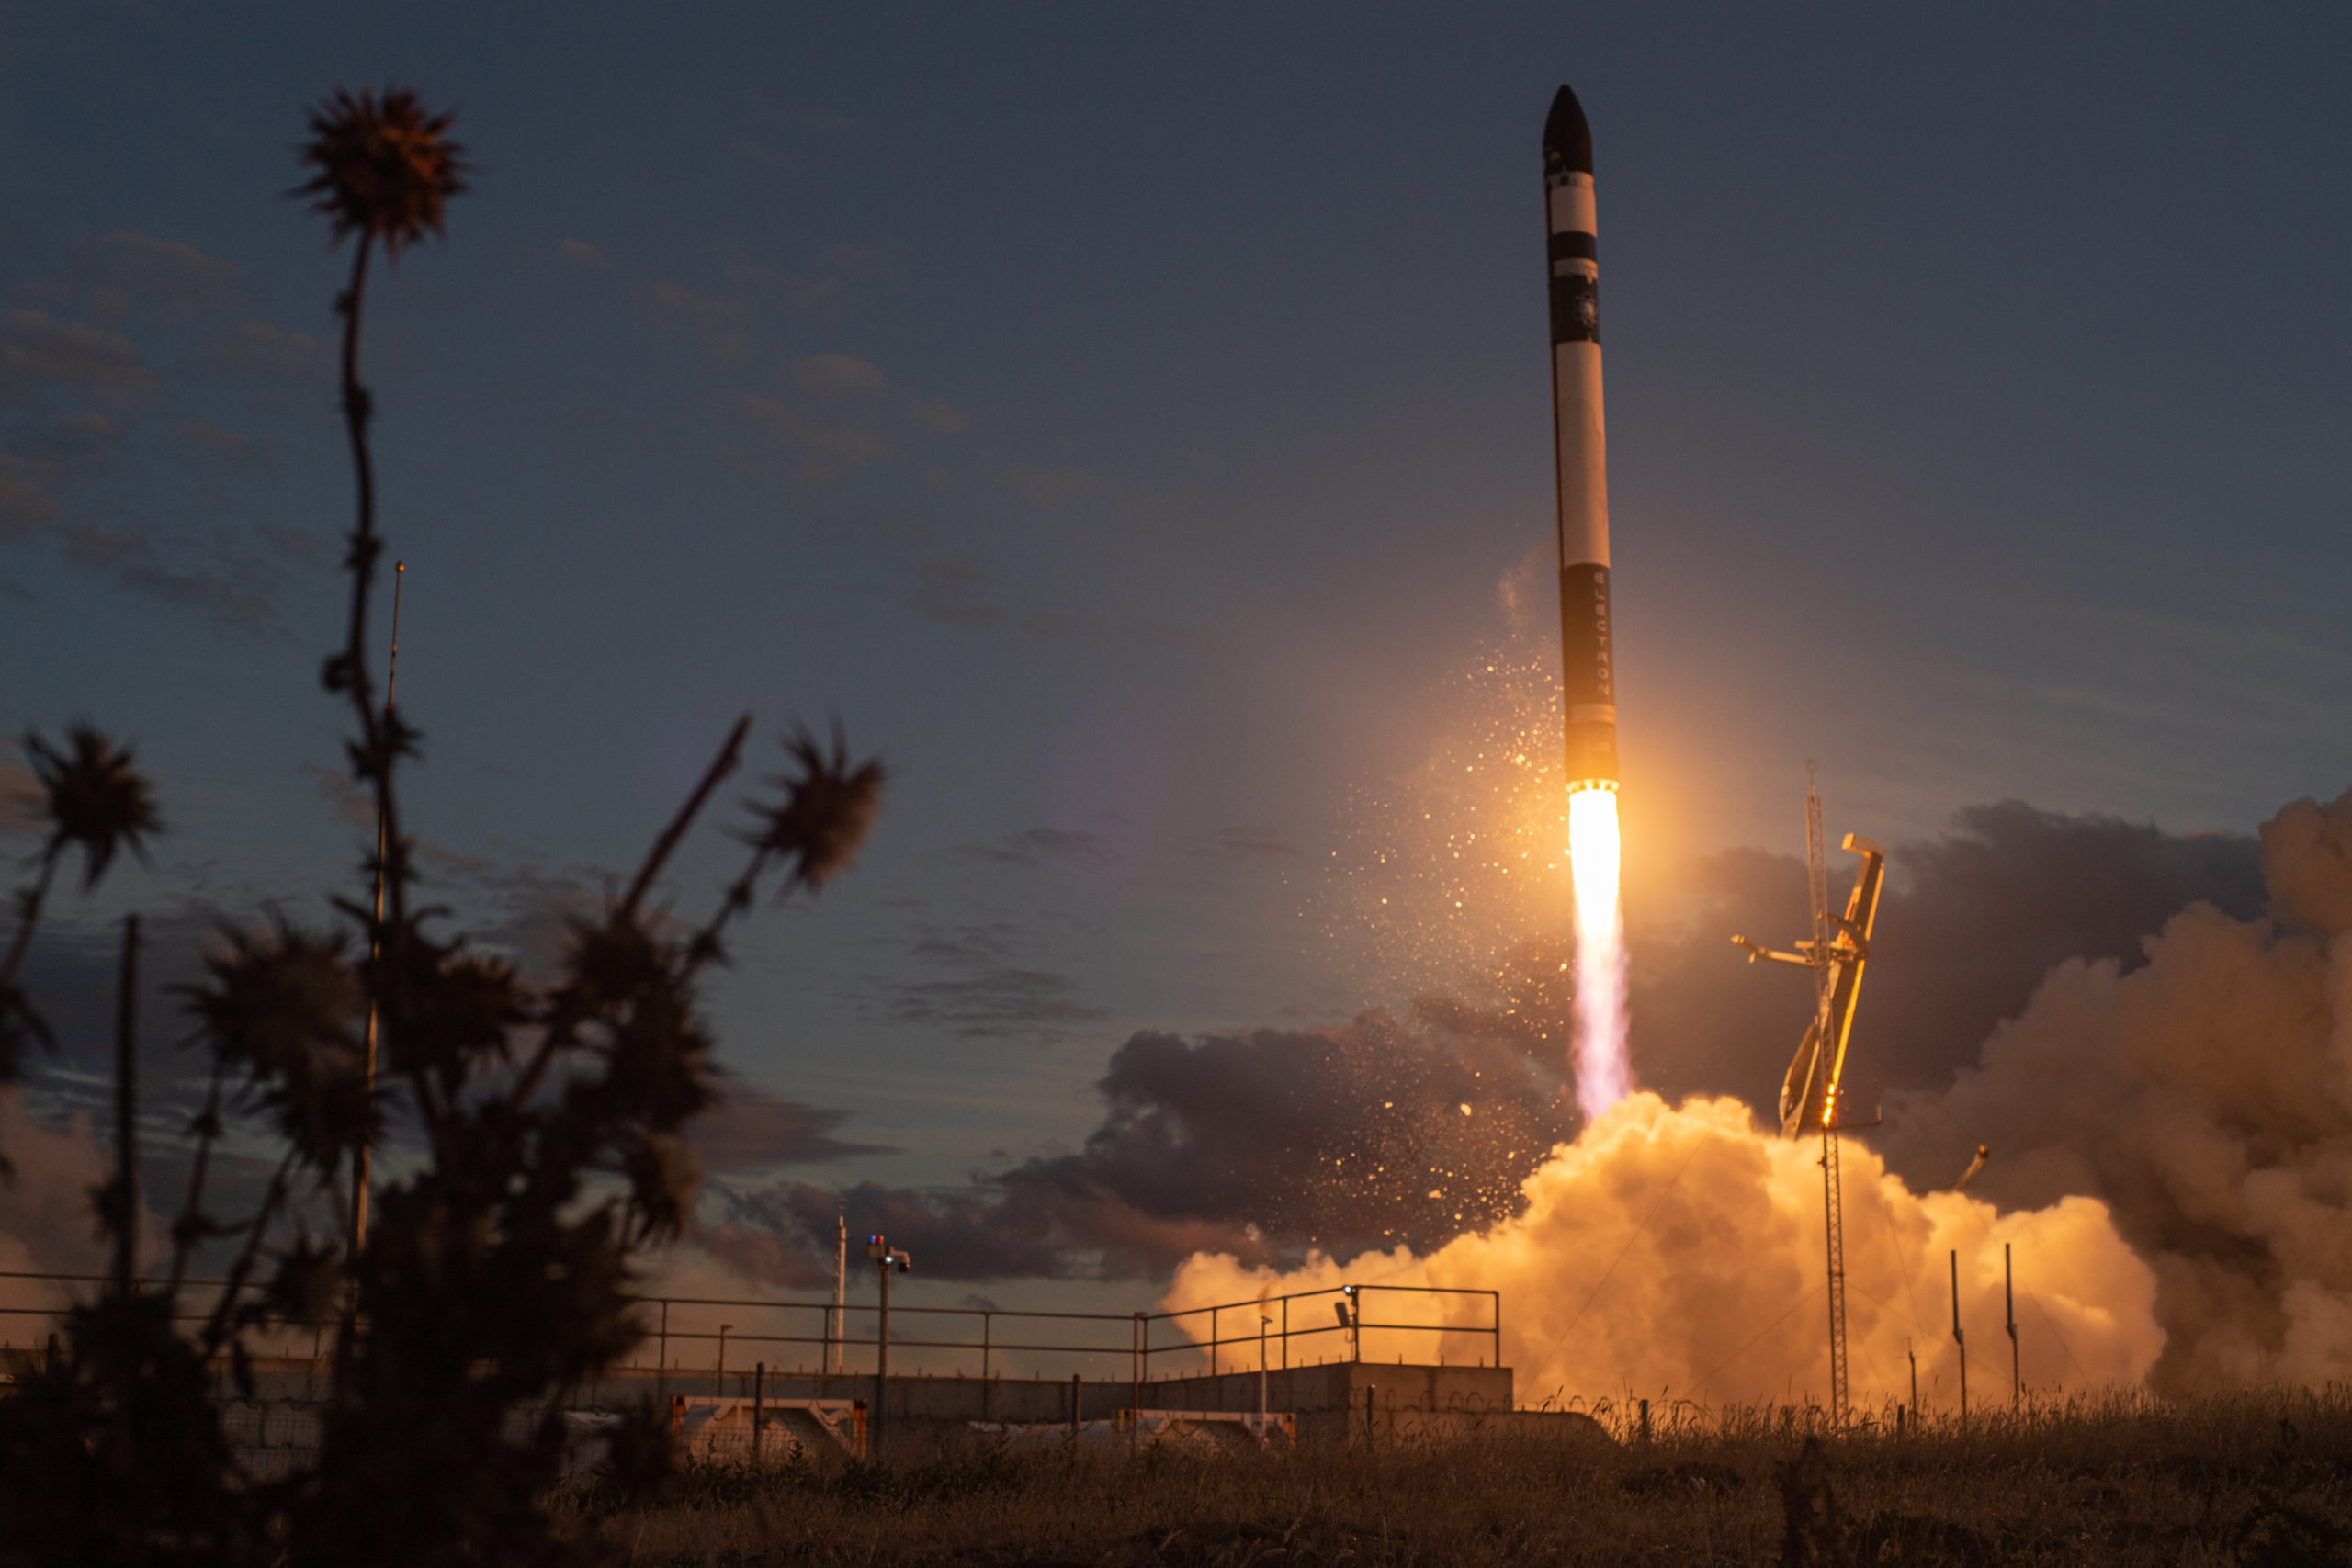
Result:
1567,141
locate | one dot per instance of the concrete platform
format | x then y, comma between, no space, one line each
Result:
1335,1403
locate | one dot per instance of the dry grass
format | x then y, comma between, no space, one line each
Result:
2254,1479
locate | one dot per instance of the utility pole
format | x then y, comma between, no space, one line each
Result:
364,1175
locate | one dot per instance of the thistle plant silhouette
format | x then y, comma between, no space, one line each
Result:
495,1275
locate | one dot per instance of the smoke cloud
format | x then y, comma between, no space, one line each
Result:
1677,1252
2207,1095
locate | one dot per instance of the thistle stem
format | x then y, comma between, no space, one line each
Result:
34,899
124,1220
192,1210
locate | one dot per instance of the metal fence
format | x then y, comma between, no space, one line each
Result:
966,1341
689,1336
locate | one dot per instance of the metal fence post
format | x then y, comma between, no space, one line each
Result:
759,1398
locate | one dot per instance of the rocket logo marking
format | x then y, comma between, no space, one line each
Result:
1576,308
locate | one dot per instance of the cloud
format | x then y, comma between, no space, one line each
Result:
228,446
127,272
957,591
71,975
755,1129
89,360
20,799
259,348
933,413
24,506
1971,922
1046,486
1255,843
716,321
2205,1094
824,452
48,1225
838,375
1042,846
1677,1251
826,123
1001,1002
1264,1143
580,253
231,587
990,994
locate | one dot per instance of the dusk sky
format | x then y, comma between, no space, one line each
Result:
1132,423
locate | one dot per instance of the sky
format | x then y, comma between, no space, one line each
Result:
1133,423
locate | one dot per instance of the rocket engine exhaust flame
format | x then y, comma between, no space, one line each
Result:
1604,1072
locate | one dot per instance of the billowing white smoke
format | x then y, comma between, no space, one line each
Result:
2208,1095
1678,1252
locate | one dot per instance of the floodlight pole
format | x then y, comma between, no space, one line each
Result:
884,1257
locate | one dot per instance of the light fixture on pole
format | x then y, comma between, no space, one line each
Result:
885,1258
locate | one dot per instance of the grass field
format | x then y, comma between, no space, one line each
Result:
2249,1479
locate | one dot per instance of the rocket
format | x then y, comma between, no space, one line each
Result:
1581,468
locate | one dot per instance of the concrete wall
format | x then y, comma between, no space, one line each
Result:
920,1414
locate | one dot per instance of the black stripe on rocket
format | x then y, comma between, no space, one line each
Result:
1588,674
1575,305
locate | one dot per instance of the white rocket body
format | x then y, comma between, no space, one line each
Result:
1580,462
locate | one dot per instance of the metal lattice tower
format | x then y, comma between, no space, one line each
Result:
1833,1202
1813,1092
1833,1209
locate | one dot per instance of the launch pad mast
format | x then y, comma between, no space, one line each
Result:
1810,1095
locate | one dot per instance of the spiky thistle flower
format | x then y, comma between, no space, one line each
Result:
93,798
386,167
825,812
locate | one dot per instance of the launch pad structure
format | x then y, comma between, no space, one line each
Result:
1811,1094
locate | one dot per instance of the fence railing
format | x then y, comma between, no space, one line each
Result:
687,1337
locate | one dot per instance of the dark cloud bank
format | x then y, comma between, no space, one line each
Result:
1269,1142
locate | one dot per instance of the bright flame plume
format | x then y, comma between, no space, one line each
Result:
1604,1074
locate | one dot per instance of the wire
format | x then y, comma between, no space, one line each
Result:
2054,1333
1767,1328
1639,1231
